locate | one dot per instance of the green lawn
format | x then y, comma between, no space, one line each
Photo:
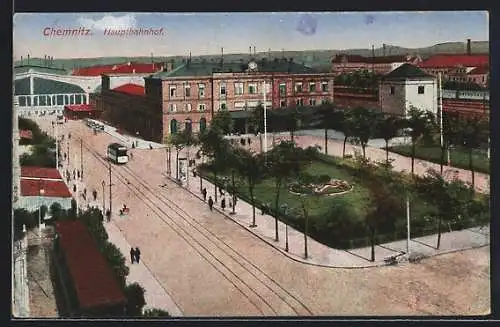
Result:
459,156
337,220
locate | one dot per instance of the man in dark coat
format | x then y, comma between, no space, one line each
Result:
204,192
210,203
132,255
223,203
137,255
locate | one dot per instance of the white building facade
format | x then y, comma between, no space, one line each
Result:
406,87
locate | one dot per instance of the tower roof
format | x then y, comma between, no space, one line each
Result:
407,71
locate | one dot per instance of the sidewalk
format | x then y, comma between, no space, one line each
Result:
155,295
322,255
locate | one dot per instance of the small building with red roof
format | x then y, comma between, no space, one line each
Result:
132,89
79,111
43,186
88,283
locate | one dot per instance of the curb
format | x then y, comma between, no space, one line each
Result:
379,265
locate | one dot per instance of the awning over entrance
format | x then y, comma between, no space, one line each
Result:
79,108
241,114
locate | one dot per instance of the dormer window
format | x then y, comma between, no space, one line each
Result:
391,90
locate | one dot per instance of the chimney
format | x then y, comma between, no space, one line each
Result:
222,56
469,52
250,51
269,53
384,49
28,58
254,52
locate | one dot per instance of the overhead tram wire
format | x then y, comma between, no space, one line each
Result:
212,235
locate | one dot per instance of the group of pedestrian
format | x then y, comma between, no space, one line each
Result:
135,255
222,202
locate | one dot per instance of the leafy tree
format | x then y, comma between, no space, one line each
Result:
330,119
252,167
135,299
222,121
284,161
364,126
419,123
180,141
347,127
116,260
451,132
451,199
473,133
388,128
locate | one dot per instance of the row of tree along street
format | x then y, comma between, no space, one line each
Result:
43,146
93,220
344,223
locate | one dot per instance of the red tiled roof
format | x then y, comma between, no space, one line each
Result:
40,172
25,134
130,89
125,68
480,70
79,107
53,189
454,60
95,282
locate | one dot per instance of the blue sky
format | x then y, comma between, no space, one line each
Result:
206,33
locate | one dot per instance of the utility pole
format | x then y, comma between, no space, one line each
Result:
440,104
408,226
265,120
68,153
81,158
57,146
110,196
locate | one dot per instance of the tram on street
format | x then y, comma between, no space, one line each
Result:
117,153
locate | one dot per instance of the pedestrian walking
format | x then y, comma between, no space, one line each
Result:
223,203
74,173
133,145
204,192
108,215
132,255
131,155
74,187
85,191
249,141
65,155
150,146
78,173
210,203
230,203
94,194
137,255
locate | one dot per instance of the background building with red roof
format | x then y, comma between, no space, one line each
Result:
124,68
43,186
346,64
89,285
460,67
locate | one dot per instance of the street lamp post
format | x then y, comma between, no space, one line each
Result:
284,206
110,196
41,193
81,159
103,183
265,119
199,173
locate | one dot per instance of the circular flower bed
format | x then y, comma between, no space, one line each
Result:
333,187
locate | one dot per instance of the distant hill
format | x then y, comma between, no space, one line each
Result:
313,58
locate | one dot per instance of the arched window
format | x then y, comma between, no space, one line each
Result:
188,125
173,126
203,124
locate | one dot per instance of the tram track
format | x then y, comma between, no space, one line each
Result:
261,290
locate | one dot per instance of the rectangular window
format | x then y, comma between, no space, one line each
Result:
282,104
312,102
201,90
188,106
201,107
312,87
300,102
324,101
187,91
172,108
223,106
421,89
238,88
324,86
298,87
252,88
173,90
391,90
223,90
268,87
282,89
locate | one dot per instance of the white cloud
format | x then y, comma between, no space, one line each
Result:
110,22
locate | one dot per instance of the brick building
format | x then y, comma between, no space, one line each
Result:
345,64
187,96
